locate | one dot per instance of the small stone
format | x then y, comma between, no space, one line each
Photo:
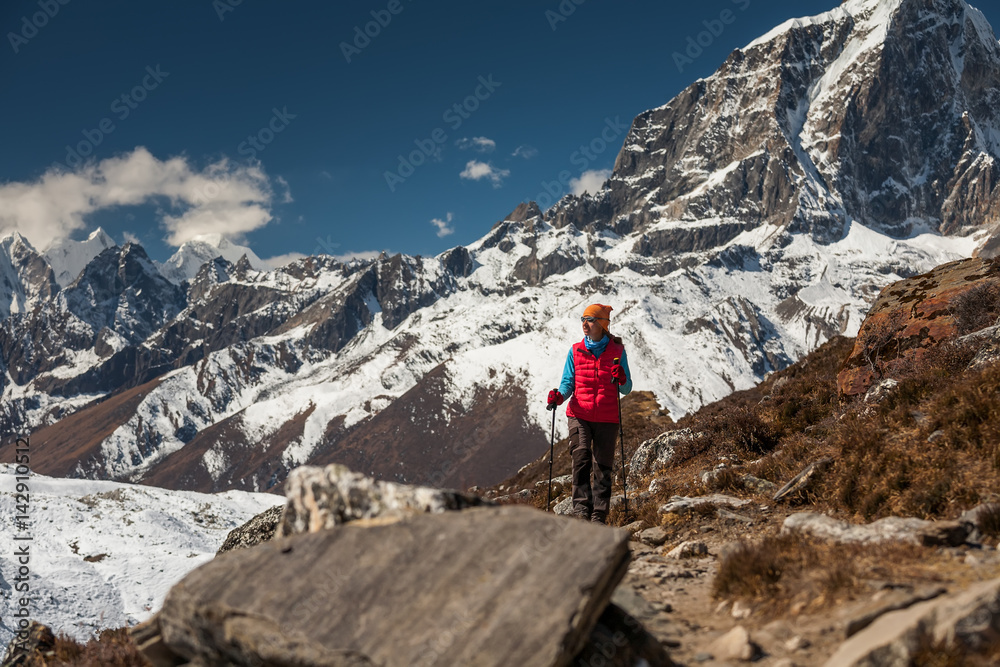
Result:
741,610
657,485
654,537
688,550
735,645
733,517
758,485
702,657
935,436
563,507
634,527
797,643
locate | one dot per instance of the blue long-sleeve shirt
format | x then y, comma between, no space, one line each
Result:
569,370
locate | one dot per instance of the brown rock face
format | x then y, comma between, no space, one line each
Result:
911,316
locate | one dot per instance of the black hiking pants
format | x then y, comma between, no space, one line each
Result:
592,446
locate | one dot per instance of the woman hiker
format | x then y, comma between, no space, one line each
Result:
595,369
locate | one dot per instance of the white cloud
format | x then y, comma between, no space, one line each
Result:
281,260
444,227
362,255
286,196
223,198
477,171
479,144
131,238
525,151
589,181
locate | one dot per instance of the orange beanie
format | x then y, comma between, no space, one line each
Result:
601,312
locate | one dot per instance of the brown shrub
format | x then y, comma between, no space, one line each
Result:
939,654
745,431
111,648
727,479
976,308
752,569
989,520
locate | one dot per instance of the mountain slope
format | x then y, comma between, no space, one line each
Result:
104,554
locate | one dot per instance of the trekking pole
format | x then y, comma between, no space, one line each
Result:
552,445
621,439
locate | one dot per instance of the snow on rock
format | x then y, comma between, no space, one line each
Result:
189,258
68,258
104,554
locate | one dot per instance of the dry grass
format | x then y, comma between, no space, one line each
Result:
791,574
930,654
976,308
112,648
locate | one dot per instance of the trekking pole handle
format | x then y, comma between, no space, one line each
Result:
616,360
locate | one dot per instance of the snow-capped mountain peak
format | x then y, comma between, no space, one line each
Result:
25,276
189,258
68,258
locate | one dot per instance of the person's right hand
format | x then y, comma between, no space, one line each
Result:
555,399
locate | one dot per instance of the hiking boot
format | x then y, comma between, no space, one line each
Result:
581,514
599,517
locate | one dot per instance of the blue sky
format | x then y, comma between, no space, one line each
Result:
277,123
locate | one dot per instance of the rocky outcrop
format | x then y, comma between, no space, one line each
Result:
321,498
910,316
795,130
433,589
656,453
257,530
968,621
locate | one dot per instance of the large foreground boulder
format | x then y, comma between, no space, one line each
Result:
486,586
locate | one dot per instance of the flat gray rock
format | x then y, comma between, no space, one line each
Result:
804,480
487,586
682,504
889,529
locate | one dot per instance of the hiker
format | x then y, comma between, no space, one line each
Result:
590,379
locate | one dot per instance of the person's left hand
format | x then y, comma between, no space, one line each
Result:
619,373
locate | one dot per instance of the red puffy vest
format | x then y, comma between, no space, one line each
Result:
595,396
